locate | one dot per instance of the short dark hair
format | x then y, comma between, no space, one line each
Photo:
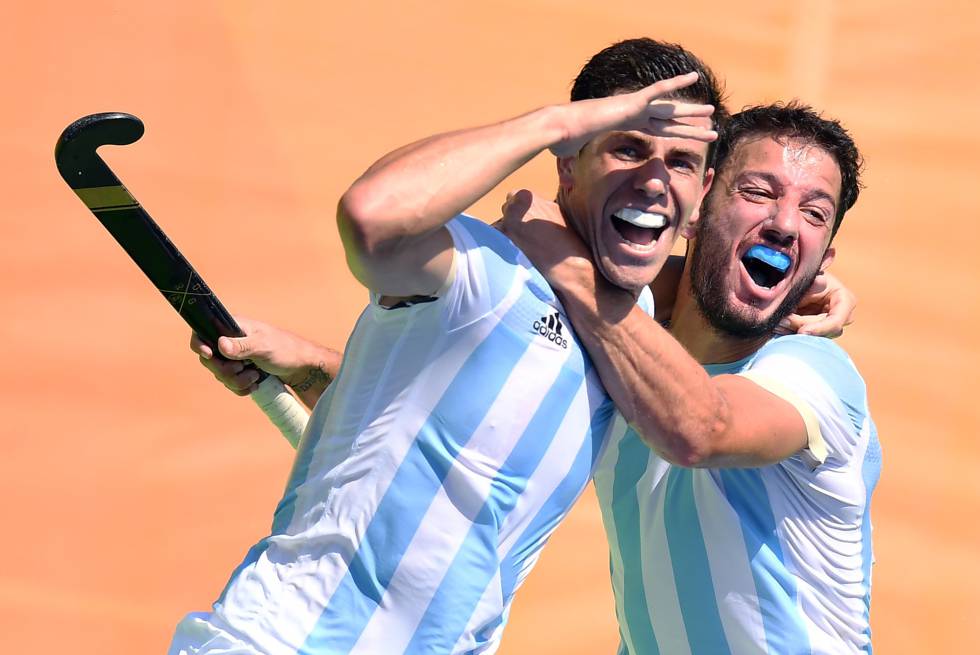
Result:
794,120
633,64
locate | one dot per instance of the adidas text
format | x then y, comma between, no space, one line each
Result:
550,328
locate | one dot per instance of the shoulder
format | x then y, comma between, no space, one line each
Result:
489,255
469,233
817,370
818,355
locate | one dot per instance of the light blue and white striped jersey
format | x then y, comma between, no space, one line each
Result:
775,559
457,435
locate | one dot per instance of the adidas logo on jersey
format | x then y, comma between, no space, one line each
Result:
550,328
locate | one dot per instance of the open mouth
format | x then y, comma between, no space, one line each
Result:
639,227
766,267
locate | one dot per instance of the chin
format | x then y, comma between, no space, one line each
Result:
739,319
631,279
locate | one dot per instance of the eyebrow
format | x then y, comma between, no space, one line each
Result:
776,182
696,157
631,135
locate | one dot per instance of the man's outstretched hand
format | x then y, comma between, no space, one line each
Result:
646,109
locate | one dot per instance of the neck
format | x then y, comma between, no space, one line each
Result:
705,342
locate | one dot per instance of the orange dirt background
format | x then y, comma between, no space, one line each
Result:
132,484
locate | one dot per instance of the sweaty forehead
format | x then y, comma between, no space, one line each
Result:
795,162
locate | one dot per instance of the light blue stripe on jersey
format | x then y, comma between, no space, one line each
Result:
412,490
631,464
870,471
689,560
475,563
775,587
552,510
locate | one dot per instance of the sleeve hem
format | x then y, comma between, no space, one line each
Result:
816,449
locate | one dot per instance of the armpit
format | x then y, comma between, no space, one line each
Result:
401,302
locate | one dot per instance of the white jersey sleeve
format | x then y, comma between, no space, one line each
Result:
821,375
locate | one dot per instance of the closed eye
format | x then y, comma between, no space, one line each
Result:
755,193
816,215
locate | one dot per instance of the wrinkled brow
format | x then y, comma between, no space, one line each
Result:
773,179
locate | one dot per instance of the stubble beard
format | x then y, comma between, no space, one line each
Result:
709,268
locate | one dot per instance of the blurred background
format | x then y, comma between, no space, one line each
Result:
131,484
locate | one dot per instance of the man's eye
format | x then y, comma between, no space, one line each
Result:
754,193
627,152
815,215
682,163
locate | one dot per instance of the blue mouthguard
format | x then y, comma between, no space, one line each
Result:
769,256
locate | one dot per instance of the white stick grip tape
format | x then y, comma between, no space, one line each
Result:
282,408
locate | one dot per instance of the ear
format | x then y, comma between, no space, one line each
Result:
691,228
566,167
828,258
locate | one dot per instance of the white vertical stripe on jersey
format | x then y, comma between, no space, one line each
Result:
458,501
663,605
560,455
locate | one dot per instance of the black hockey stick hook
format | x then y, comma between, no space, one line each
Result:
75,154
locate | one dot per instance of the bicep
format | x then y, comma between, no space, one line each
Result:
768,423
404,266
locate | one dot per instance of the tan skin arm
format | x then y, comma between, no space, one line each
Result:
391,219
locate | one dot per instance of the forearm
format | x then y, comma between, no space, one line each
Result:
310,380
657,386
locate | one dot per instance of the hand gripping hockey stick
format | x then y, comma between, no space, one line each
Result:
92,180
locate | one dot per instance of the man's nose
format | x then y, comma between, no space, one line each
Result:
783,225
653,179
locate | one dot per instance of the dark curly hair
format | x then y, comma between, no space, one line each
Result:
795,120
633,64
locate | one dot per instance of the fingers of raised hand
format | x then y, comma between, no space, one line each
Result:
681,130
678,109
663,87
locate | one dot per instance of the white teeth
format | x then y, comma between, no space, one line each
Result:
641,219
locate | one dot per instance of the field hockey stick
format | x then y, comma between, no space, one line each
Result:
98,187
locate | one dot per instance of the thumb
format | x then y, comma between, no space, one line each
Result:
516,206
235,347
